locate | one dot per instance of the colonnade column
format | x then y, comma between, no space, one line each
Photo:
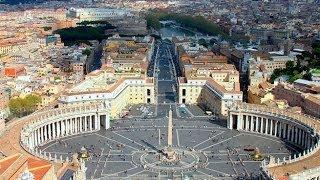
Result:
45,133
86,123
261,125
251,123
271,127
229,124
97,120
54,129
90,123
38,136
50,131
275,128
267,125
81,121
42,134
247,123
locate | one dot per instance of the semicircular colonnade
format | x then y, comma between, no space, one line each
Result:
297,129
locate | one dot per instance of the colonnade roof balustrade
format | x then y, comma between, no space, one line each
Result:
37,118
311,162
281,113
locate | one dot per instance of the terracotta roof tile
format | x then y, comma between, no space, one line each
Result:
6,163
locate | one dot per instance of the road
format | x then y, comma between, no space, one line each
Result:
94,60
165,74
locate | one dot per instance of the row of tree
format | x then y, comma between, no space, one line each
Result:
23,106
85,31
198,23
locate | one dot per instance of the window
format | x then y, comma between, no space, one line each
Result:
183,92
148,92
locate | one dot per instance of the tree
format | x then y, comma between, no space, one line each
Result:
23,106
15,106
32,102
86,52
290,65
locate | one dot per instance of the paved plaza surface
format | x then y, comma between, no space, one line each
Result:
125,150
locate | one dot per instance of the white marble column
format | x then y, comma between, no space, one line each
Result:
95,122
58,127
257,124
42,134
78,120
90,123
261,125
80,125
45,133
230,121
251,123
54,132
68,126
267,125
247,128
38,136
73,126
275,128
271,127
49,132
86,123
63,125
107,121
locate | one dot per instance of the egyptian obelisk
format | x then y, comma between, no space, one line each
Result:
170,154
170,126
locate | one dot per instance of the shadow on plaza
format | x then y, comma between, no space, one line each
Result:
150,146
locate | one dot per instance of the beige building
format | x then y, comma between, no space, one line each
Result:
207,93
128,54
115,90
209,81
306,99
260,94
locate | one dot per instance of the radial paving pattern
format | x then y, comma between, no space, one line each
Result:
131,149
